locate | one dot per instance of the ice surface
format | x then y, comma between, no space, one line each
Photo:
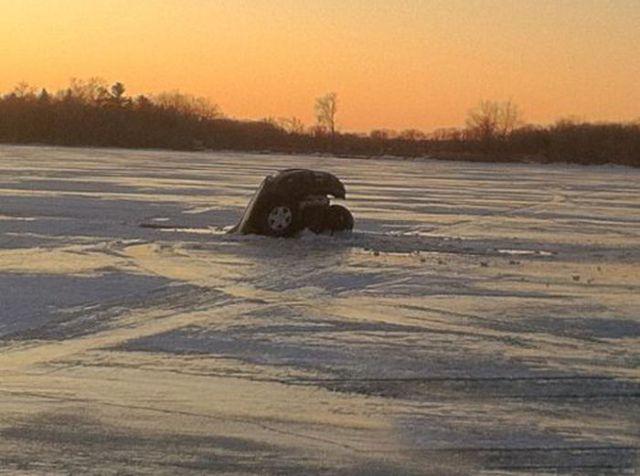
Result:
480,318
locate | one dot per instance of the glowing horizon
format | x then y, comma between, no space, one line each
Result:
394,64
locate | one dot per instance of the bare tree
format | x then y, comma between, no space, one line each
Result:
413,135
292,125
326,109
316,130
187,104
510,118
447,134
493,119
383,134
91,91
570,121
24,90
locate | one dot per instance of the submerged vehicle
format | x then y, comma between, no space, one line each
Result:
294,200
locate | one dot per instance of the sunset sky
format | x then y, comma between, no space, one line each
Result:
394,63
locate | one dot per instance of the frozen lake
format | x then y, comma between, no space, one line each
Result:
482,318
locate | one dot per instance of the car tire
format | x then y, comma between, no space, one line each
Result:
315,219
338,218
280,219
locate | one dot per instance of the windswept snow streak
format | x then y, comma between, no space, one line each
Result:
481,318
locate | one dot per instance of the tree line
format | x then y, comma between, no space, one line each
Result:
93,113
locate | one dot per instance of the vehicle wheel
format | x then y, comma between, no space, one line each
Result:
339,218
280,219
315,219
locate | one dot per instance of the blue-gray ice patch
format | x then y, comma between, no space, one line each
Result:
30,301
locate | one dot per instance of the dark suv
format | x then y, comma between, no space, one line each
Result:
294,200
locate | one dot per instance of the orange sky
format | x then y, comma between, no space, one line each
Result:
394,63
